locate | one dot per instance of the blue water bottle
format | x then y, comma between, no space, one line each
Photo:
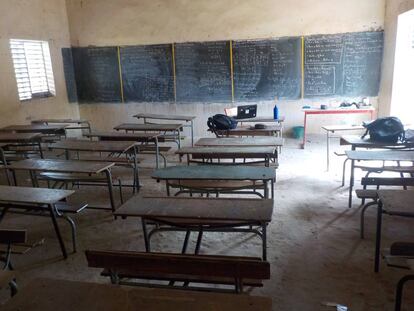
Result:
275,113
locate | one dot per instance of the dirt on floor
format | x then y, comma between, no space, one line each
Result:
314,248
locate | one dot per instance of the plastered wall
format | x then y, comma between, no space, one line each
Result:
126,22
36,20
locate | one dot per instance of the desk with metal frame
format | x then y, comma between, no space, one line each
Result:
314,111
378,155
271,130
216,173
114,148
199,214
174,117
82,124
35,198
57,129
22,139
241,142
86,168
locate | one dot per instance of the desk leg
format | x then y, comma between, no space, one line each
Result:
264,242
136,173
378,237
327,151
145,233
192,133
157,153
110,188
40,148
304,131
272,190
351,183
57,230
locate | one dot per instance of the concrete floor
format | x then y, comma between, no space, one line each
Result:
314,247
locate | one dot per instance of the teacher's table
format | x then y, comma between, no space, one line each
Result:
386,155
205,155
314,111
185,176
116,150
171,117
35,199
199,214
75,170
63,295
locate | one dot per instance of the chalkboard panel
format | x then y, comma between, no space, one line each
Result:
147,73
343,64
203,72
69,75
97,74
267,69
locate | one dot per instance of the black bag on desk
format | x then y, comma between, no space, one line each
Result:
389,130
221,122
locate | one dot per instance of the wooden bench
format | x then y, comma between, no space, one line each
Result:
401,255
216,270
371,194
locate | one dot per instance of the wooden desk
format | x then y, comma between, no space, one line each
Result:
23,139
394,203
206,154
115,148
314,111
386,155
331,129
144,138
200,214
62,295
262,119
35,197
174,117
86,124
356,141
218,173
241,142
36,128
270,130
68,166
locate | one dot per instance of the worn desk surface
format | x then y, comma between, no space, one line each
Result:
122,136
241,142
33,128
98,146
378,155
32,195
251,131
62,295
215,172
357,142
61,166
262,119
397,200
198,208
333,128
148,127
19,137
233,151
77,121
164,116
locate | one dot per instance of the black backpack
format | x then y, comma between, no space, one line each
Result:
389,130
221,122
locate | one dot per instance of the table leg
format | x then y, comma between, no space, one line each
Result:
378,237
351,183
264,242
39,142
145,233
57,230
192,133
327,151
304,131
110,188
136,174
157,153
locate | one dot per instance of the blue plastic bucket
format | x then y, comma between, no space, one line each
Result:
298,132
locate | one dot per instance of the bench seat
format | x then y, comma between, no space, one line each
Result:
366,194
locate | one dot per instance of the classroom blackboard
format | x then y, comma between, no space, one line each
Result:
203,72
343,64
147,73
266,69
97,74
69,75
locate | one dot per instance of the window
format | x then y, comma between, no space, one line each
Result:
33,68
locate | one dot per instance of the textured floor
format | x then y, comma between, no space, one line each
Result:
314,247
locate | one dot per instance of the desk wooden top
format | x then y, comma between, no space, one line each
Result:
357,142
215,172
148,127
397,200
33,128
62,295
251,131
98,146
32,195
68,121
241,142
338,110
61,166
164,116
379,155
333,128
198,208
122,136
18,137
241,152
262,119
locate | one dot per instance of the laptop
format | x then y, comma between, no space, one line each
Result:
246,112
